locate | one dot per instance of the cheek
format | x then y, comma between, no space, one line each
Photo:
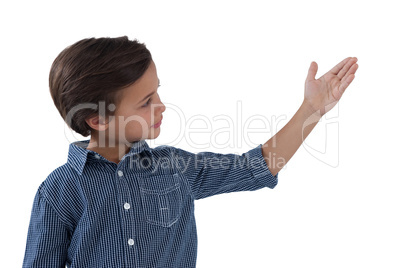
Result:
139,120
146,115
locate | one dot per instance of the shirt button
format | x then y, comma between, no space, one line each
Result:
120,173
97,156
127,206
131,242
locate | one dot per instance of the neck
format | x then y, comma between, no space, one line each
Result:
113,152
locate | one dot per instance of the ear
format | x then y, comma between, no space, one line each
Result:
97,123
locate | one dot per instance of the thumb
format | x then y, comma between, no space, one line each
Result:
312,71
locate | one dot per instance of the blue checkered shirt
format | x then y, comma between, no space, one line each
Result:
91,212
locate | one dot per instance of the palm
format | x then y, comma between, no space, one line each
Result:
324,93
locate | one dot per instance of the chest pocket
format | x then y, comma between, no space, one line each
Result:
161,199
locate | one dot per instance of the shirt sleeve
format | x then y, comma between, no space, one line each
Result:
48,238
210,173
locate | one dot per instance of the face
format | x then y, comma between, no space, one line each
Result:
139,114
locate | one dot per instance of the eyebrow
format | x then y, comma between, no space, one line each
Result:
150,94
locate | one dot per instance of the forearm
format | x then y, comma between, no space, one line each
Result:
278,150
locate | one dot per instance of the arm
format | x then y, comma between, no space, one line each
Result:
48,238
320,96
209,174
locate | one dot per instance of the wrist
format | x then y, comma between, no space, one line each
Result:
309,110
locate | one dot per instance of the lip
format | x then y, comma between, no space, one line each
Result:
158,124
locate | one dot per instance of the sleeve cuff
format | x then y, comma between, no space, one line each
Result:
259,168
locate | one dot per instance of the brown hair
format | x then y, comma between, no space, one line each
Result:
94,70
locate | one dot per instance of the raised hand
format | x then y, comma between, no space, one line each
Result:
323,94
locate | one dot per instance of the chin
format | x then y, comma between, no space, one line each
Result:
154,134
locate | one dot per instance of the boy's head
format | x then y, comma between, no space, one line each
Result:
107,88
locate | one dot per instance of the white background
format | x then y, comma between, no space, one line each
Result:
338,200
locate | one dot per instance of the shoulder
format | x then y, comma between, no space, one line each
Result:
163,151
162,148
59,180
61,190
169,149
177,154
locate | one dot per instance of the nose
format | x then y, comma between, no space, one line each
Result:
161,106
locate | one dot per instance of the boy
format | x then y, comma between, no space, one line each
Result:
119,203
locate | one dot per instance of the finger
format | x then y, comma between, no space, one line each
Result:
352,70
346,83
312,71
339,66
346,68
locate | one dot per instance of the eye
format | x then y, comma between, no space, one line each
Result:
146,104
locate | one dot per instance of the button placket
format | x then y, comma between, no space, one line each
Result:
125,200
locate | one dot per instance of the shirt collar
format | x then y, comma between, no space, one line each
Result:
78,154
